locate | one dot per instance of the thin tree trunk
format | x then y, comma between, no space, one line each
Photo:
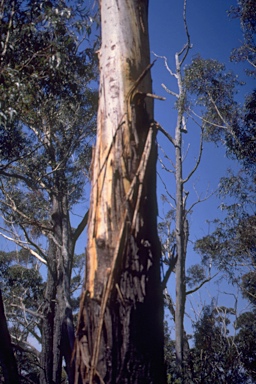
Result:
180,264
120,329
7,358
181,236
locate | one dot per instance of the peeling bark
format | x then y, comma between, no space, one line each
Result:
120,327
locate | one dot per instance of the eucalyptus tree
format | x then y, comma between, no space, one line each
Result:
47,68
204,98
120,327
231,246
22,289
245,11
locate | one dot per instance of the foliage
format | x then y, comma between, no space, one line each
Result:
195,275
23,294
22,287
232,245
245,341
48,108
215,356
245,11
47,70
41,59
214,90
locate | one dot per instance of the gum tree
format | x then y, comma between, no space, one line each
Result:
47,124
120,329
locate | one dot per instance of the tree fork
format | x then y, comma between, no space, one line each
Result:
120,325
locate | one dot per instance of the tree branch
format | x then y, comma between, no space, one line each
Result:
201,284
169,91
32,242
167,135
23,308
198,161
188,46
80,228
25,346
8,30
166,64
24,245
199,200
171,267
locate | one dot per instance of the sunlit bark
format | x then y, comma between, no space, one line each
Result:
120,330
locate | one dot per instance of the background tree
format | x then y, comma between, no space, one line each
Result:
215,356
23,297
120,330
231,246
245,11
7,359
49,102
206,85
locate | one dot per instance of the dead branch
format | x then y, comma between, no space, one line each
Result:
167,135
201,284
198,161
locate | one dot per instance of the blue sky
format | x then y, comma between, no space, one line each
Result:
213,35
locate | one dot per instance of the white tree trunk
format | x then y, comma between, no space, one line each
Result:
120,331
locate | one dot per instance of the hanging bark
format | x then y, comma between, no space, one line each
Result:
120,327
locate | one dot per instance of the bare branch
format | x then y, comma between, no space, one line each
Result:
205,120
166,64
201,284
250,62
31,242
198,161
13,206
199,200
23,308
169,91
152,96
166,190
188,45
169,137
80,227
24,245
171,267
227,126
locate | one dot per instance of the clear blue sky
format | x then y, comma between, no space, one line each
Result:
213,36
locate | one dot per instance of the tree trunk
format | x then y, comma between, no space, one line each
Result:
57,327
181,230
46,356
120,329
181,253
7,358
